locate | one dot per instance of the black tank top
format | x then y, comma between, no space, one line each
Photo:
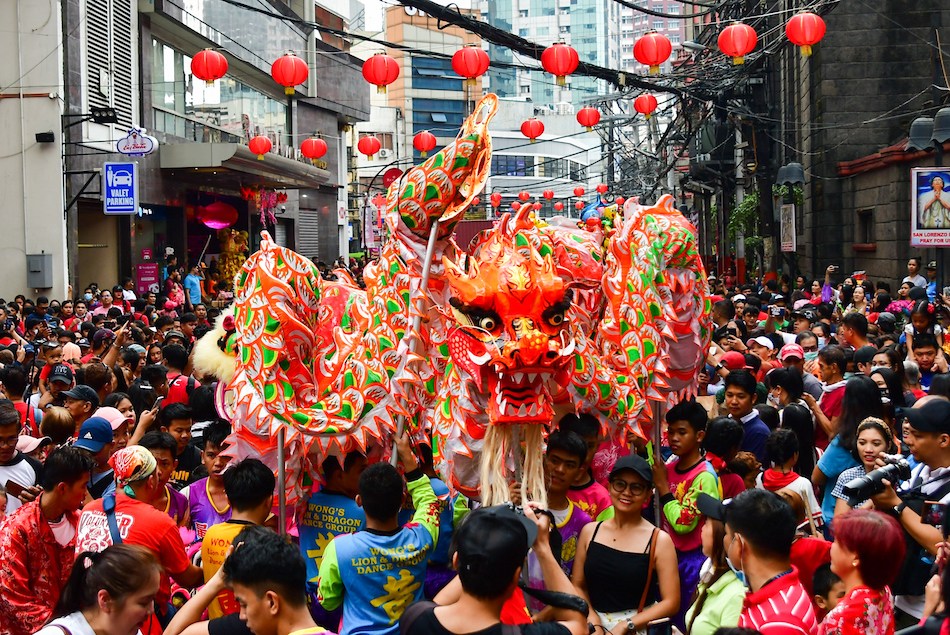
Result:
615,579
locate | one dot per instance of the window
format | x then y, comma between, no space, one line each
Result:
864,232
672,24
675,38
523,32
439,117
445,113
673,9
525,90
503,165
523,13
658,24
543,30
564,29
565,12
626,19
628,48
434,74
547,11
385,139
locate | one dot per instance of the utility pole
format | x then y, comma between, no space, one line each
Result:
740,195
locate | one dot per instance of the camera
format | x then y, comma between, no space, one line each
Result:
777,311
864,487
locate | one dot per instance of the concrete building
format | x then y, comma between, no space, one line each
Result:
635,24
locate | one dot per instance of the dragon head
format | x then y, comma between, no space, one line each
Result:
513,338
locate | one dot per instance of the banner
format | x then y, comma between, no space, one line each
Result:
787,228
930,208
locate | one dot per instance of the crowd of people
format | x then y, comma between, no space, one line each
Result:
803,491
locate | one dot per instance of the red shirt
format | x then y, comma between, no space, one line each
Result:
180,388
781,607
830,404
33,569
807,555
139,524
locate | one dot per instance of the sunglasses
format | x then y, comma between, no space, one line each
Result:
619,485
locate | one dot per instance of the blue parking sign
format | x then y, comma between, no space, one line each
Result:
120,191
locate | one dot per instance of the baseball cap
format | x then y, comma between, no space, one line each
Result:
777,297
738,296
636,463
83,393
61,372
864,355
733,360
933,416
94,434
761,341
932,264
493,536
82,342
102,335
805,312
114,417
177,334
138,348
791,350
27,444
886,316
712,507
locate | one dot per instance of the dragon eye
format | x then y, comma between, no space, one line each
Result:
487,323
556,320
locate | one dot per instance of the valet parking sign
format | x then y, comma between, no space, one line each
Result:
120,192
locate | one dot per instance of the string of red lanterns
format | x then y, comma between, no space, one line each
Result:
289,71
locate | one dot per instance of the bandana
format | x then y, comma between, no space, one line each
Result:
773,480
717,463
131,464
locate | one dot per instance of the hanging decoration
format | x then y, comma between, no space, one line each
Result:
495,199
470,62
289,71
588,117
560,60
805,30
579,205
234,247
209,65
218,215
737,41
515,205
313,148
368,146
652,50
645,104
381,70
620,201
260,145
266,200
579,191
559,206
424,142
532,128
524,196
602,188
475,202
548,194
537,206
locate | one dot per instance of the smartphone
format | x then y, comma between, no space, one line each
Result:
659,627
158,404
14,489
933,513
733,332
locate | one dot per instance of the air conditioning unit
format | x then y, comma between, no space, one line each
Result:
385,154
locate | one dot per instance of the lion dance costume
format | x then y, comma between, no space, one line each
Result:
537,321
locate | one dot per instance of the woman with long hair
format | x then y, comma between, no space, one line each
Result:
109,593
785,386
718,599
874,438
862,399
859,302
892,393
614,557
798,419
867,555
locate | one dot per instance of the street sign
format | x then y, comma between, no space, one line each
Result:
120,192
136,143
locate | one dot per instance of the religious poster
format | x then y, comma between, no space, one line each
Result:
930,208
787,232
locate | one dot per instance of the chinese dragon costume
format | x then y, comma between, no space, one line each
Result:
535,321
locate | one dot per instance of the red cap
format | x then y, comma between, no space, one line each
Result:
791,350
733,360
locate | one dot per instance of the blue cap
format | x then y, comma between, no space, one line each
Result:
94,435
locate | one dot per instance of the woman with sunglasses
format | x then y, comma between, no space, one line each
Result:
625,567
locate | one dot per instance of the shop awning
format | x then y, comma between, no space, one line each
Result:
234,163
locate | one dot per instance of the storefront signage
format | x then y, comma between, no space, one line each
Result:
147,278
787,228
120,191
136,143
146,254
930,207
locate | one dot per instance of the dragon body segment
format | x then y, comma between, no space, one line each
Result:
539,320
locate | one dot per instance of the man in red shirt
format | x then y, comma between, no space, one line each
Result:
138,522
831,364
760,527
38,544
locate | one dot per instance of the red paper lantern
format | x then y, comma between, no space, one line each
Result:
423,142
737,41
380,70
313,148
559,206
532,129
515,205
260,145
548,194
368,146
289,71
602,188
805,30
579,205
620,201
537,206
218,215
495,199
652,50
524,196
470,62
579,191
645,104
560,60
209,65
475,202
588,117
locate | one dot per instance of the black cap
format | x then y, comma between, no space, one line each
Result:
636,463
490,536
805,312
711,507
83,393
933,416
864,355
62,373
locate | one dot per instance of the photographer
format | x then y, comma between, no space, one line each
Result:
928,438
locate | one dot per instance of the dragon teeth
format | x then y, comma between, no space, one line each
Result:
532,377
519,377
522,411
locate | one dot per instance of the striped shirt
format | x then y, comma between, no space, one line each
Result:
781,607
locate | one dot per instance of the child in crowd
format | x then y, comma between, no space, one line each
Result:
250,489
828,589
163,447
722,441
782,450
207,500
176,420
740,401
923,319
678,484
52,354
592,497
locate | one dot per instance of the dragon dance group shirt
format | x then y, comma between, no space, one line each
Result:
593,498
569,523
213,549
328,515
452,509
204,513
375,575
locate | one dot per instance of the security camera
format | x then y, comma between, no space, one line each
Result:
283,208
